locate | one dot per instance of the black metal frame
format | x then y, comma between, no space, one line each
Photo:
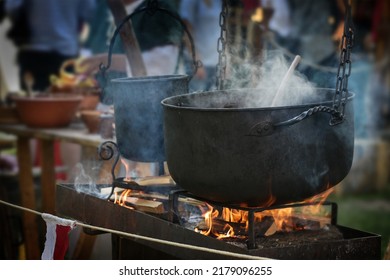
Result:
251,243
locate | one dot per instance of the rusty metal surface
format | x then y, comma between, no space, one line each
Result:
94,211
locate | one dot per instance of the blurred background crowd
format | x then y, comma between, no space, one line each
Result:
43,39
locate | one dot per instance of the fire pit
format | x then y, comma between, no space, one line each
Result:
334,242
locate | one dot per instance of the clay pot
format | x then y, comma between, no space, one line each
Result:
47,111
90,95
91,119
89,102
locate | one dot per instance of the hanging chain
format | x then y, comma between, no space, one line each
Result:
345,66
221,47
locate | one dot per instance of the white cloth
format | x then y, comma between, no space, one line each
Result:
51,234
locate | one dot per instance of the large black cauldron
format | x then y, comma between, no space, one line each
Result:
220,149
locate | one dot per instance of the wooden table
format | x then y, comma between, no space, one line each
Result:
76,133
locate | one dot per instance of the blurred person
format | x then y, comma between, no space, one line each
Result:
371,18
280,21
202,20
50,35
54,29
314,32
311,34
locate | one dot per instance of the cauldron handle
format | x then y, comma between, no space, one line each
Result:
152,7
267,128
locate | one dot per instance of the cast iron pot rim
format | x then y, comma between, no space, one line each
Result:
171,106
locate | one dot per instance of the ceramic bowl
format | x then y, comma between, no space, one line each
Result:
90,95
47,111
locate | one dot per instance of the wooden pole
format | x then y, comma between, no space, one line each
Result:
48,176
129,40
27,195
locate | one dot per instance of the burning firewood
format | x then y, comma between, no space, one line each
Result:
271,230
149,206
155,180
298,222
165,198
219,226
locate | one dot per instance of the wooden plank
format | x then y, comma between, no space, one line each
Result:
27,196
155,180
161,197
70,134
145,205
48,176
129,40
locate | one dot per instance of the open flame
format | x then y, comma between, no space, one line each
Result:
212,226
122,197
227,222
235,222
130,170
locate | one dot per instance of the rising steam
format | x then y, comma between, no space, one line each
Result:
258,85
84,183
295,91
